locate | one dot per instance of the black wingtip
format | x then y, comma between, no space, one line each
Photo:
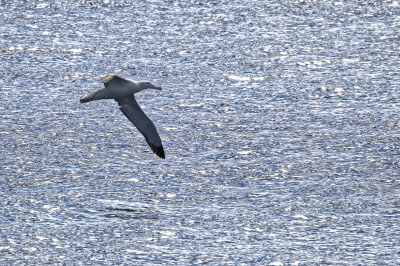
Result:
160,152
84,100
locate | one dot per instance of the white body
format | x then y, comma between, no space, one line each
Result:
117,88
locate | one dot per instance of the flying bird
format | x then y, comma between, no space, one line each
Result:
122,91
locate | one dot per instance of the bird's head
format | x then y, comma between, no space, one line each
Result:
144,84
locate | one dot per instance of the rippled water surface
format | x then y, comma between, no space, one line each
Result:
280,122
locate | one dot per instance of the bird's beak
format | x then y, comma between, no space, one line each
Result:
157,88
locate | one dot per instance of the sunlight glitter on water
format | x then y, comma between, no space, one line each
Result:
279,121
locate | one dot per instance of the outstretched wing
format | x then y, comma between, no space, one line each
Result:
134,113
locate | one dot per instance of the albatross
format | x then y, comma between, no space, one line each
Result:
122,91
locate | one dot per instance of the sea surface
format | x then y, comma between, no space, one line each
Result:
280,122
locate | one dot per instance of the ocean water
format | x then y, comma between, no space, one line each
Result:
280,122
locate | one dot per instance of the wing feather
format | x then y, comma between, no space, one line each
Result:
112,79
134,113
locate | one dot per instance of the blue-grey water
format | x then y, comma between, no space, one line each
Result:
280,122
